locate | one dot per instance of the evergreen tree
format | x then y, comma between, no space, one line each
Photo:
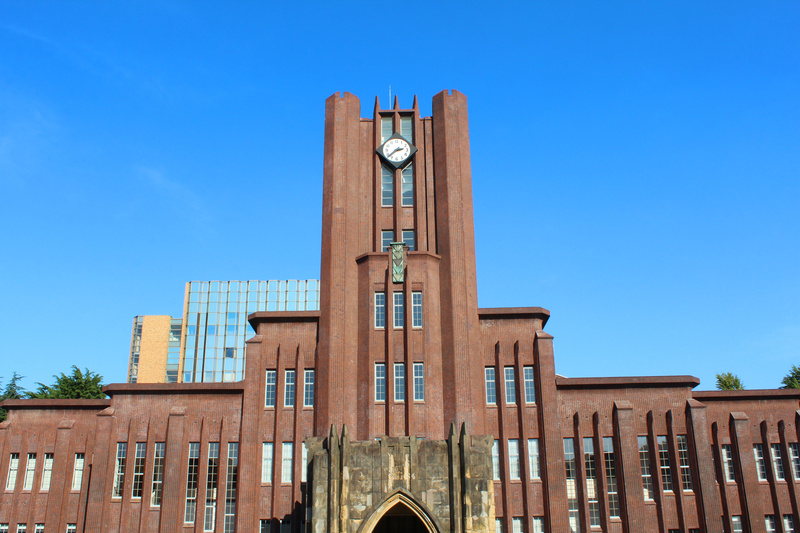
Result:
729,381
76,385
792,379
12,392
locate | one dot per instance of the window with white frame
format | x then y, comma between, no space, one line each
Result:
409,238
158,474
416,309
788,523
47,472
119,470
3,528
513,459
498,525
287,460
212,474
380,382
572,485
231,487
419,382
683,461
387,187
398,313
288,389
663,461
30,471
528,382
611,477
777,462
77,472
13,467
644,465
399,382
736,524
308,388
406,129
138,470
496,460
386,128
192,474
72,528
769,522
727,463
510,383
533,459
380,310
761,466
271,388
38,528
387,238
304,464
794,457
491,386
407,186
516,525
267,452
22,528
590,474
538,524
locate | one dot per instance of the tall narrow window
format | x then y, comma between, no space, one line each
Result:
399,382
47,472
138,470
13,466
788,523
387,238
287,459
308,389
611,477
683,458
409,239
498,525
77,472
530,387
644,464
761,467
510,381
405,128
663,461
22,528
72,528
212,473
398,310
380,382
230,487
386,128
191,483
416,309
271,388
387,187
736,524
380,310
158,474
419,382
496,460
286,525
769,522
516,525
538,524
533,459
30,470
777,462
38,528
304,464
590,464
491,386
119,470
513,459
727,462
267,451
407,186
288,391
794,455
572,485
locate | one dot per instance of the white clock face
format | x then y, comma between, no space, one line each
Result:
396,150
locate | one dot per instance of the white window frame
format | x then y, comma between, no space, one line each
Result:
529,381
287,462
47,473
157,484
399,373
419,381
490,378
267,456
496,460
407,186
729,470
380,382
119,470
30,472
761,465
387,186
510,384
308,388
777,462
380,310
416,309
137,487
77,471
398,310
271,388
387,238
534,461
289,387
514,466
409,238
13,469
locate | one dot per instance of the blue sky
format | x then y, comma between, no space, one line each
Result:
636,166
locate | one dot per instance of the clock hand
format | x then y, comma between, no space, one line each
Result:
396,149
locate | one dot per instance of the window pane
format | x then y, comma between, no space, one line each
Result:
119,470
491,387
287,459
380,382
266,462
416,309
409,240
510,381
387,187
533,458
271,388
530,387
407,186
288,397
308,389
158,474
419,382
387,238
496,460
399,382
398,312
380,310
513,458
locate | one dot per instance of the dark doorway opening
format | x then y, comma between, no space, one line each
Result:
400,519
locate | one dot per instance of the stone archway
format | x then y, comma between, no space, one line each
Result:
399,513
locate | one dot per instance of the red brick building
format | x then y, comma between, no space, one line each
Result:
402,405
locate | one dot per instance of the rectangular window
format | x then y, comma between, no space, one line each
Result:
72,528
399,382
386,128
530,387
230,487
38,528
30,471
286,525
794,455
419,382
308,389
736,524
407,186
538,524
405,128
77,472
191,483
663,460
288,390
271,388
416,309
3,528
119,470
158,474
138,470
22,528
380,382
510,381
683,459
590,464
769,522
513,458
287,458
611,477
572,485
491,386
788,523
266,462
727,463
212,473
13,466
533,458
398,311
496,460
516,525
409,240
777,462
266,524
304,464
47,472
761,467
644,464
387,238
380,310
387,187
498,525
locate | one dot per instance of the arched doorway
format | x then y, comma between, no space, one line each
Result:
399,513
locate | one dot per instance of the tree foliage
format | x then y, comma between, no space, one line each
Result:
76,385
729,381
792,379
12,391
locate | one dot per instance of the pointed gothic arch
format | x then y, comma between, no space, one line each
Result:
401,503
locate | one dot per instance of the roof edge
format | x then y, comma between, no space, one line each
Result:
754,394
57,403
627,382
174,388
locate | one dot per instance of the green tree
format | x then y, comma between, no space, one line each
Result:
728,381
792,379
76,385
12,392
